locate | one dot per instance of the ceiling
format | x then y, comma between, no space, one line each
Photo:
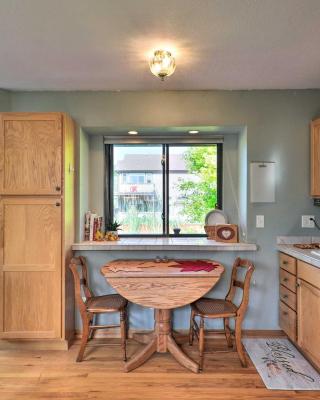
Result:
105,44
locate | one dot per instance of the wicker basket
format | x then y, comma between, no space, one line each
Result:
210,231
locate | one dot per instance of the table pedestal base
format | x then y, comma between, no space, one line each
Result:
160,341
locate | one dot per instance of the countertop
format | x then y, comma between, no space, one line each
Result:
301,254
173,244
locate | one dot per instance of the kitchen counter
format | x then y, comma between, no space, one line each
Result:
172,243
305,255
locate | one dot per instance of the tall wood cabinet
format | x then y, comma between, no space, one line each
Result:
36,227
300,305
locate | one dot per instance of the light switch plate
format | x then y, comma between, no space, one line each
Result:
305,221
259,221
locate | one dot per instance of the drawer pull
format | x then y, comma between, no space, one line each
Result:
285,279
58,204
285,296
58,188
284,262
285,313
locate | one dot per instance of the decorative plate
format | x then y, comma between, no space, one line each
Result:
215,217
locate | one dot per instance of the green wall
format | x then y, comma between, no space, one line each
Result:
277,129
5,98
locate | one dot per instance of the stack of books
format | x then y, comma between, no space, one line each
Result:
92,224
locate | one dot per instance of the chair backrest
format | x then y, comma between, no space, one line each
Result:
79,270
242,284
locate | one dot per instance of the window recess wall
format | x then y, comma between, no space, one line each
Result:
152,188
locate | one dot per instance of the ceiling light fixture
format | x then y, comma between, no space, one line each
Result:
162,64
133,132
193,132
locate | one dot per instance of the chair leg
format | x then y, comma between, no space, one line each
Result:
123,329
85,336
227,332
91,331
191,328
201,343
239,343
127,324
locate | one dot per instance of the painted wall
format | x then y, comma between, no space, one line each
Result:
5,104
277,129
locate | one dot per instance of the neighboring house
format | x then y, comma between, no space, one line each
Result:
138,182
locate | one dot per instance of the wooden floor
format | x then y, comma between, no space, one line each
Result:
55,375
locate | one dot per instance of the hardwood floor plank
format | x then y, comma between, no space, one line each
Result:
33,375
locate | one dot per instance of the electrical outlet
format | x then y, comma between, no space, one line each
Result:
259,221
306,222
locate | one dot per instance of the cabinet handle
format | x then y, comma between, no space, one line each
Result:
58,204
285,313
285,279
58,188
285,296
284,262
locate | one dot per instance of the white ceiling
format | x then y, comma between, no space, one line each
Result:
104,44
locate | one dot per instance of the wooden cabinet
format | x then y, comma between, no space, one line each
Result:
308,298
31,154
31,267
299,306
315,158
36,227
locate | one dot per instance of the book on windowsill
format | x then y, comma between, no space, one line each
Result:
92,224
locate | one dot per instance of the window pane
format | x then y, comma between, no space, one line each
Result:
138,189
192,186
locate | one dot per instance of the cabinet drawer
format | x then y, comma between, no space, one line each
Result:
288,297
309,273
288,280
288,263
288,321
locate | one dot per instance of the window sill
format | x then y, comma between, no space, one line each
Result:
173,244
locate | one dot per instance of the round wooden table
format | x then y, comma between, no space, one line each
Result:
162,287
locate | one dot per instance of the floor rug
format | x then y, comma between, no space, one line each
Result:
280,365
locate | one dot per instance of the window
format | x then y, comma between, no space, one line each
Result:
153,188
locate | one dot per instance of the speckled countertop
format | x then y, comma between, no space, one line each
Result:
286,245
172,243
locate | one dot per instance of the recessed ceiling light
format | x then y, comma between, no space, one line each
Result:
193,132
133,132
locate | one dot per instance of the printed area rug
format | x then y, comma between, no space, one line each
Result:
280,365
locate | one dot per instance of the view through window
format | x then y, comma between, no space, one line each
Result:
157,188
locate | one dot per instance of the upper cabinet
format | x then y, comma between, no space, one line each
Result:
315,158
31,153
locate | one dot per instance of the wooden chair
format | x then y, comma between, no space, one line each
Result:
226,309
93,305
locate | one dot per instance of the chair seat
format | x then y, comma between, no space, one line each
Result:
107,303
214,308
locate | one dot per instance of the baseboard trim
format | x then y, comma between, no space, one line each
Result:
114,333
35,344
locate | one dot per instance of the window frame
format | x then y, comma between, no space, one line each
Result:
108,190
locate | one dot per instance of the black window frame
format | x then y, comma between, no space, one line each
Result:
108,190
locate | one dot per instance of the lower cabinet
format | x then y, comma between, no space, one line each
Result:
299,308
308,297
31,268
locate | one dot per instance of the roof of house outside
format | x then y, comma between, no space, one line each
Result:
149,162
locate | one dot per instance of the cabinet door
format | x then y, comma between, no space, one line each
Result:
31,268
309,319
315,158
30,153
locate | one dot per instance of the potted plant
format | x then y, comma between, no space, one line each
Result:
112,228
